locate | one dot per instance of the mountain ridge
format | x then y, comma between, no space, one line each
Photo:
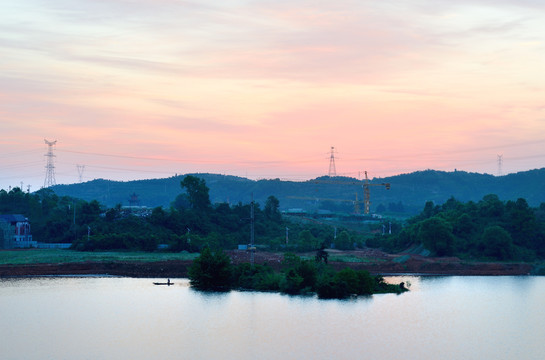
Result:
410,190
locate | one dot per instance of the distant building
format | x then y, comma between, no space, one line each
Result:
134,200
15,232
294,212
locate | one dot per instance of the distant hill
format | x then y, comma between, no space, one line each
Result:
408,192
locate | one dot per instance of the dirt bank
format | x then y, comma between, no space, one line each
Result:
371,260
130,269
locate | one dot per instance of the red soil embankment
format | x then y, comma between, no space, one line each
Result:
373,261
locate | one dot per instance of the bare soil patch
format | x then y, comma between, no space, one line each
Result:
372,260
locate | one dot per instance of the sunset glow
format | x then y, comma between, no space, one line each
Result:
262,89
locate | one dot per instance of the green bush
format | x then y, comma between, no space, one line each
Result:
211,271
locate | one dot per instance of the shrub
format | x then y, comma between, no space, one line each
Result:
211,271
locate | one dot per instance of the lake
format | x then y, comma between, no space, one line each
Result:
124,318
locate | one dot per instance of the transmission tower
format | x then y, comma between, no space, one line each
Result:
80,172
500,163
332,171
50,167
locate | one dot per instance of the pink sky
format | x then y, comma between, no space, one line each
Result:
262,89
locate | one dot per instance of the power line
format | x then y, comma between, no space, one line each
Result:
451,152
22,152
195,161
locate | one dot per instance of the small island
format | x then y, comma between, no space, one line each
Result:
213,271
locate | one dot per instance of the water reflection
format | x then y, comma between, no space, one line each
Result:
121,318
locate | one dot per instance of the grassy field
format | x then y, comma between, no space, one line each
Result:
56,256
354,259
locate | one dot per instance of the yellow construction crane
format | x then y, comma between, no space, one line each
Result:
367,196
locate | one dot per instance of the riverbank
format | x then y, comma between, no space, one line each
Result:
376,262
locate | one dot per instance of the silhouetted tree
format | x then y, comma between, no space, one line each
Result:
436,235
271,210
197,191
497,243
211,271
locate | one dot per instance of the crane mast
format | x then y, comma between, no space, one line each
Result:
367,195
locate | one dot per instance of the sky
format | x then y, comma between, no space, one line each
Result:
140,89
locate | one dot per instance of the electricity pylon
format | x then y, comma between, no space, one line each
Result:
332,171
50,166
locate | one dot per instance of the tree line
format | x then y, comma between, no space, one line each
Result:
190,223
487,229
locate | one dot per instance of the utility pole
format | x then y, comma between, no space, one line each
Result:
500,163
74,219
50,167
252,248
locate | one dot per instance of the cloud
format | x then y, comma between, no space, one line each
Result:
273,84
281,41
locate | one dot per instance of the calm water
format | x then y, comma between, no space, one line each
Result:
123,318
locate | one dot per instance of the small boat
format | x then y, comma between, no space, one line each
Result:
168,283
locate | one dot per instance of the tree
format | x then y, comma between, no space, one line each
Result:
348,282
491,206
181,202
429,210
271,209
464,226
350,278
497,243
343,241
329,287
197,191
436,235
321,254
521,223
211,271
300,275
307,241
291,283
158,216
88,212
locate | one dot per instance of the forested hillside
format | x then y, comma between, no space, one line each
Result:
407,195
